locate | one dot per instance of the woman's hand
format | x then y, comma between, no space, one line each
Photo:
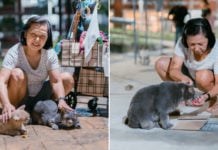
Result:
187,80
7,111
199,101
62,105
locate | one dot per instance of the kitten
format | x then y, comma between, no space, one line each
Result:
151,105
46,113
15,125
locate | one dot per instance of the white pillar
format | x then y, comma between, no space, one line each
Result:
141,13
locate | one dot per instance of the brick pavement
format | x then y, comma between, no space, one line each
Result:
92,136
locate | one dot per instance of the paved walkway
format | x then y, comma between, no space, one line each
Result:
92,136
125,74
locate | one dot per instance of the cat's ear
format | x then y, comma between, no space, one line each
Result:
22,107
189,83
62,112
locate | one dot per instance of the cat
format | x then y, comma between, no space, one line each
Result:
151,105
15,125
46,113
92,105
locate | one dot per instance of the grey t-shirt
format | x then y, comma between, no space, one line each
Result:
16,58
210,62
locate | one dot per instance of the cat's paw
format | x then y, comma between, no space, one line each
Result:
77,126
147,125
55,127
167,126
23,132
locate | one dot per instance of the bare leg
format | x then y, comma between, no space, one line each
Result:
17,86
162,68
205,81
68,82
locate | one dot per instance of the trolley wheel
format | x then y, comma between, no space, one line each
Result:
92,105
71,99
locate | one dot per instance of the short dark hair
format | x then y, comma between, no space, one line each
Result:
194,27
37,20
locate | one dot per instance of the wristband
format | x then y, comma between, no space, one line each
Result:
61,97
208,95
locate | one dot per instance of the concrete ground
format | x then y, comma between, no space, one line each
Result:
126,78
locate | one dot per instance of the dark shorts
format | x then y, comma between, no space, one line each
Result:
44,94
186,72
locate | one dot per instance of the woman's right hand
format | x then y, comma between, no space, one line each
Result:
199,101
7,111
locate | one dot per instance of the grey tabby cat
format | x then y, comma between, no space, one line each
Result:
46,113
16,124
151,105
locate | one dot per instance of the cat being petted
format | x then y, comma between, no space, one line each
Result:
151,105
16,124
46,113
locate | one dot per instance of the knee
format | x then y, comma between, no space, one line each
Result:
18,75
162,63
204,79
67,79
158,62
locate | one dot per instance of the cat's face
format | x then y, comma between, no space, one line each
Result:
69,119
189,92
15,125
21,115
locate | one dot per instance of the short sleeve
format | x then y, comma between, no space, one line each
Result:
52,62
215,67
11,57
179,49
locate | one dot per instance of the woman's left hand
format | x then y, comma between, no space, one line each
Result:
199,101
62,105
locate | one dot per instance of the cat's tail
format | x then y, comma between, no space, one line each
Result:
125,120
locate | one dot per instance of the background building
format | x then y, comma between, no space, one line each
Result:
144,24
13,13
151,15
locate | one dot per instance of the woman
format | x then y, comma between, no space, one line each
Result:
195,61
26,68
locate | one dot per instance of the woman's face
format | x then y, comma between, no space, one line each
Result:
36,36
197,43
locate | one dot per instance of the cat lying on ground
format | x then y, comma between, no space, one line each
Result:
151,105
46,113
15,125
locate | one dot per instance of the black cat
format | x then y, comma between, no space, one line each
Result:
151,105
